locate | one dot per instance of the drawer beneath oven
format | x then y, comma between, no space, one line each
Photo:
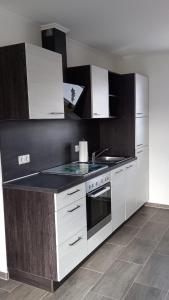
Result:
71,253
70,220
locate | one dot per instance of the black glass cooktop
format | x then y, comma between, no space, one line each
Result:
76,168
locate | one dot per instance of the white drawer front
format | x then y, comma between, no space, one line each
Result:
70,220
67,197
71,253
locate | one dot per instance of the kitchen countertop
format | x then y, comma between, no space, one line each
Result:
58,183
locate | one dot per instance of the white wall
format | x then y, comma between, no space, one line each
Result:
80,54
15,29
156,67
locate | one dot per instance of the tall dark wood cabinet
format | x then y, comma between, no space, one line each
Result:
30,237
118,132
31,83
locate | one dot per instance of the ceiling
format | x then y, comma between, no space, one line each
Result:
116,26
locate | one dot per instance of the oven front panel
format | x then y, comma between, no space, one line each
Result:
98,208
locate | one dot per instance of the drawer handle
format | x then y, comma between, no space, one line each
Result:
56,113
129,167
118,172
73,192
140,145
78,239
73,209
141,151
139,113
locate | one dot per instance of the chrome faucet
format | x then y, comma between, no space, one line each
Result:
94,156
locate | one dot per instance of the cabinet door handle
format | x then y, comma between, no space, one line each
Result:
96,114
129,167
73,192
78,239
56,113
139,113
140,145
73,209
141,151
118,171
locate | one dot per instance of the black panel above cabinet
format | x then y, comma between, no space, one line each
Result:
31,83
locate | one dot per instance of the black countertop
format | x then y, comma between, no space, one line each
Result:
57,183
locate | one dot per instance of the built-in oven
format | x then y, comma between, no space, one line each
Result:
98,202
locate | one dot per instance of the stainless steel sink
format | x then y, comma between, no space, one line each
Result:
111,159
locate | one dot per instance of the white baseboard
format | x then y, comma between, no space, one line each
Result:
4,276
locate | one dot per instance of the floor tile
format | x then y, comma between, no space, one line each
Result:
162,216
152,231
8,285
76,286
123,235
138,251
25,292
149,211
163,246
3,295
138,220
101,260
156,272
141,292
95,296
117,280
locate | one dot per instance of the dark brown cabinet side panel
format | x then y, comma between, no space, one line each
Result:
13,83
30,232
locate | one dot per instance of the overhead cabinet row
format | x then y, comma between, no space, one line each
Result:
32,87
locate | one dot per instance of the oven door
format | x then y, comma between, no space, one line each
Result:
98,209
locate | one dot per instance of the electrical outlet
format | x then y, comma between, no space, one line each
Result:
76,148
24,159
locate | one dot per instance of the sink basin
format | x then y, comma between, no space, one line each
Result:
111,159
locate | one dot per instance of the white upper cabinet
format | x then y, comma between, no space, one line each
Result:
141,95
45,83
141,132
99,92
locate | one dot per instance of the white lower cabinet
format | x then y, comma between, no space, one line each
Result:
142,176
118,197
71,253
70,220
130,188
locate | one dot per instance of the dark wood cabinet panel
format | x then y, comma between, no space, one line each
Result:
13,87
81,75
30,233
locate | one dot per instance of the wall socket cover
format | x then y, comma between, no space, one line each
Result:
24,159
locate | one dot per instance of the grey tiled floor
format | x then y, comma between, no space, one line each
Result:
133,264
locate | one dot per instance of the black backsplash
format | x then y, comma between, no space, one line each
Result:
49,143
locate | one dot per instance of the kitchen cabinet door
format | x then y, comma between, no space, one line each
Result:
141,132
118,197
130,189
141,95
45,83
142,176
99,92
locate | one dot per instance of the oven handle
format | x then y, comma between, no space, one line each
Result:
100,192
